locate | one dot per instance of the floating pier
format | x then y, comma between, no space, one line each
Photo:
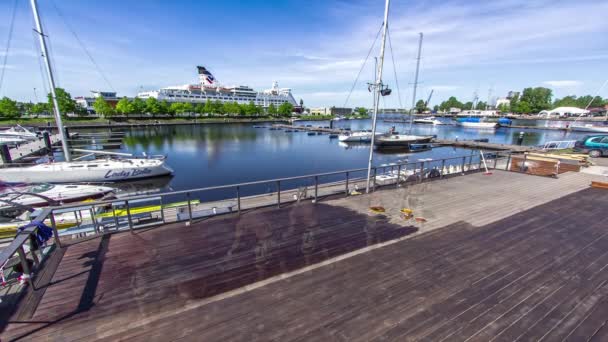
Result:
22,151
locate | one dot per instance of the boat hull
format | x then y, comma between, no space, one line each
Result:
591,129
485,125
401,141
79,172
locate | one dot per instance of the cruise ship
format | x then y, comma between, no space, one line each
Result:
210,89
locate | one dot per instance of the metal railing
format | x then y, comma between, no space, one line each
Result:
109,216
559,144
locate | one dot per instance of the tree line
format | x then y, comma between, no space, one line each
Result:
11,109
154,107
531,100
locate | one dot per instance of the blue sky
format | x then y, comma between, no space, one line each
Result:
314,47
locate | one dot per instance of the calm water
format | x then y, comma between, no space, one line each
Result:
219,154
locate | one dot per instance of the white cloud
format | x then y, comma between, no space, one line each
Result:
563,83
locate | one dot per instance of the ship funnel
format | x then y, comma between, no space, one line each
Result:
205,77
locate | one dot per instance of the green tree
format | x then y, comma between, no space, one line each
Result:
217,107
251,109
420,106
481,105
164,107
272,110
39,108
208,108
467,106
504,108
452,102
285,109
64,100
175,107
138,106
232,108
538,99
152,106
187,107
361,111
514,104
124,106
102,107
9,108
523,107
435,108
199,108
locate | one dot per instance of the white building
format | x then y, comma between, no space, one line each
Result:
563,112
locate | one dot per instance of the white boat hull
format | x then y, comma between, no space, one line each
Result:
486,125
102,170
357,137
34,195
590,128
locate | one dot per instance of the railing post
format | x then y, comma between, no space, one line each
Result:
129,215
238,199
464,161
346,189
162,211
442,168
508,161
470,162
374,182
495,160
189,208
522,168
25,266
278,194
115,217
34,256
316,187
55,232
398,174
421,172
93,221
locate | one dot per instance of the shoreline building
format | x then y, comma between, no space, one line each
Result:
340,111
209,89
87,102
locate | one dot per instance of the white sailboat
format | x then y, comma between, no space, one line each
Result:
404,141
109,169
358,136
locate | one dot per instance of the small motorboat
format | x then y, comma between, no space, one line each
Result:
44,194
476,123
403,141
431,120
589,128
19,132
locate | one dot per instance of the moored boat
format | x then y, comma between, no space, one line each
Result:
431,120
19,132
35,195
590,128
404,141
98,170
476,123
359,136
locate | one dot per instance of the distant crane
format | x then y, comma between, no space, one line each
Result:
426,104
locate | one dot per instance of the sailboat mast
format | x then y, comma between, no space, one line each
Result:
415,83
49,71
378,89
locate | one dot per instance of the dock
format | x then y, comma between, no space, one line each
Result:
505,257
311,129
31,148
486,145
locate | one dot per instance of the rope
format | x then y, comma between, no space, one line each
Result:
8,43
82,46
390,45
362,66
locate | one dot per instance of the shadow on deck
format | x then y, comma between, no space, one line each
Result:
123,277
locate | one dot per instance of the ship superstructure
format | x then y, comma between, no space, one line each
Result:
210,89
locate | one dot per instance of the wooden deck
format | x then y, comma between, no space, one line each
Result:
329,271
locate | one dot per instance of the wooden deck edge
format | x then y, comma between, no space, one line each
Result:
28,303
599,185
